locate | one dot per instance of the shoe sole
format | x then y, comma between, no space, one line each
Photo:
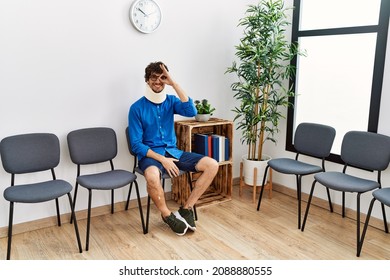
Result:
177,214
177,233
181,234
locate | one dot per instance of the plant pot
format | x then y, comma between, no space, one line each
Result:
249,167
202,117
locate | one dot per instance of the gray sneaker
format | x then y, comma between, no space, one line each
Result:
187,216
177,225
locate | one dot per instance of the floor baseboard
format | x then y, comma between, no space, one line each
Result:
120,206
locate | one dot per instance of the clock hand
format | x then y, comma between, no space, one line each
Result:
142,12
151,13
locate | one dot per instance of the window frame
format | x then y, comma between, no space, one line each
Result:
378,72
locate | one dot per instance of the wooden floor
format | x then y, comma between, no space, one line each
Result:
231,230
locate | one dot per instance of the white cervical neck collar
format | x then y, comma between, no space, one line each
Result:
155,97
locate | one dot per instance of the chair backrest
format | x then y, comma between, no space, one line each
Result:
32,152
92,145
366,150
130,150
314,139
128,142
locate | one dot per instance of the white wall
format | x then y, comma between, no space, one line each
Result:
72,64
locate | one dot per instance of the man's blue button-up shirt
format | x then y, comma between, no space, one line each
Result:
151,126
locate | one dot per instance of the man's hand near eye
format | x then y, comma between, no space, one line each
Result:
168,81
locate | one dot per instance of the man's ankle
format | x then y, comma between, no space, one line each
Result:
166,214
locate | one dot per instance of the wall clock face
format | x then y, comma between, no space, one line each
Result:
145,15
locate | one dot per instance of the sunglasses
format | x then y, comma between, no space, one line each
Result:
155,77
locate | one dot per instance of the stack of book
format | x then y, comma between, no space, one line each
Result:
212,145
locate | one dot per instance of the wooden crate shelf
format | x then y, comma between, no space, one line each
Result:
221,188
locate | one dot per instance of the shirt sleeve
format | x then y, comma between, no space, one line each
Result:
185,109
136,133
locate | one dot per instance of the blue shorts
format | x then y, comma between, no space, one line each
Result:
187,162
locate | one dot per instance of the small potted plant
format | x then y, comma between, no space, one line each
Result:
204,109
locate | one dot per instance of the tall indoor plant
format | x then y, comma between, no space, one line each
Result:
263,70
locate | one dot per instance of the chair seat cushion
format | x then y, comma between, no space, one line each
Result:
37,192
292,166
383,195
343,182
164,175
109,180
138,170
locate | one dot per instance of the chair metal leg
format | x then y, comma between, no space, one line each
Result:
147,216
308,205
76,228
262,188
195,213
139,205
329,200
358,223
74,200
360,246
190,184
88,219
128,197
10,222
58,213
299,194
343,205
384,218
112,201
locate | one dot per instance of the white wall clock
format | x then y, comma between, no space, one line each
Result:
145,15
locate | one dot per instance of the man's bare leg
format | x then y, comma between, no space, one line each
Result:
155,190
156,193
209,168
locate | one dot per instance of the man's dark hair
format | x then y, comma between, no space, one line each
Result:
154,67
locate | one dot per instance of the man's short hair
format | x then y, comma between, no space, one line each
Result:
154,67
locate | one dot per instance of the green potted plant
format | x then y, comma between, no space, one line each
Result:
263,71
204,110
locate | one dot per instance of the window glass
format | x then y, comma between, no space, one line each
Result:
334,82
320,14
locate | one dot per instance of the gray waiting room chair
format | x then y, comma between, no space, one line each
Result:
367,151
310,139
33,153
383,196
97,145
164,176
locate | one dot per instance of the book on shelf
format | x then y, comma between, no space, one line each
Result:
212,145
215,147
210,149
227,148
201,144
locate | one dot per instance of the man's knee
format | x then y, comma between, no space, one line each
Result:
152,176
214,166
208,164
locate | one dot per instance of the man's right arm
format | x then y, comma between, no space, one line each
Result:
136,133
